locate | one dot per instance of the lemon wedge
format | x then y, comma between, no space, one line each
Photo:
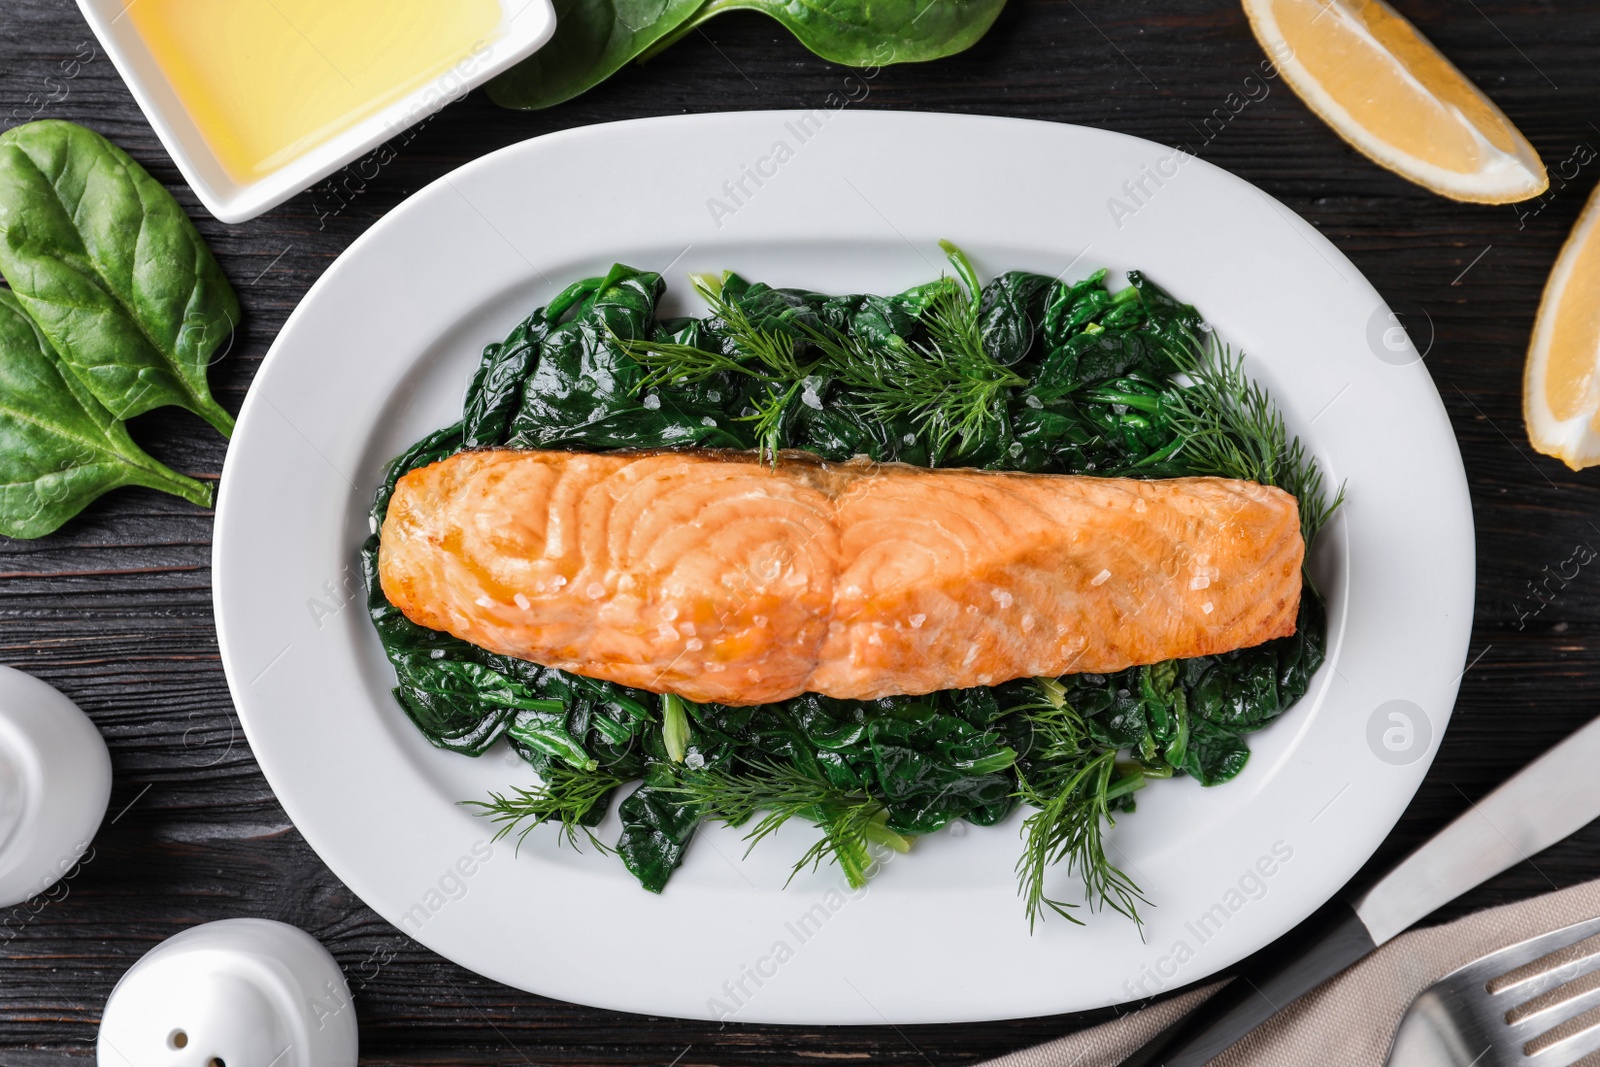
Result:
1561,386
1370,75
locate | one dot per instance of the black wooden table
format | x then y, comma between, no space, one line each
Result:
115,609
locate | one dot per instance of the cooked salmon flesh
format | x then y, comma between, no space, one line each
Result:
723,578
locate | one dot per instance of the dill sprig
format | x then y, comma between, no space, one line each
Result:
566,796
849,820
1224,423
763,354
767,413
1228,424
671,363
1071,791
949,387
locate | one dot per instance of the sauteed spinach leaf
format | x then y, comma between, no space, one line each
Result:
1024,373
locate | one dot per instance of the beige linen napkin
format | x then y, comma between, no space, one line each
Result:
1348,1020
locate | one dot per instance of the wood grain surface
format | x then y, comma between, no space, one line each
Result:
115,609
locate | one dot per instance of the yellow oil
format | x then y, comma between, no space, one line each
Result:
265,81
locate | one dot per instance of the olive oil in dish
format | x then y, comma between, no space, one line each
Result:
265,81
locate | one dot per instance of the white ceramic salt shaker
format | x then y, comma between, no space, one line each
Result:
55,780
233,993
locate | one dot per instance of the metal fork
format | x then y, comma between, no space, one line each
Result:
1508,1008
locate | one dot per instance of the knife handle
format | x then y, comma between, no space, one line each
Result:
1315,951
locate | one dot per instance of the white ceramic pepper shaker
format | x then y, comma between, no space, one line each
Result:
55,780
234,993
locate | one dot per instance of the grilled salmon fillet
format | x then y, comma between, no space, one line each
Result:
723,578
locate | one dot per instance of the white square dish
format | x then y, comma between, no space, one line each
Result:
524,26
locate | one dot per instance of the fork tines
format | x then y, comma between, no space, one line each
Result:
1534,1003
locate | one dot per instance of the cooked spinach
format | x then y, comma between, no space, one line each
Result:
595,38
59,447
112,270
1023,373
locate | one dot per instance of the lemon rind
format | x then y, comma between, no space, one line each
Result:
1572,440
1509,178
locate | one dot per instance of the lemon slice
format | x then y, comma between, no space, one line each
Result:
1561,386
1370,75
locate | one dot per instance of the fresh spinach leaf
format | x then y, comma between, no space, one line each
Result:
594,38
112,270
867,33
59,448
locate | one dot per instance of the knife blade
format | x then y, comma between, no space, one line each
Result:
1550,799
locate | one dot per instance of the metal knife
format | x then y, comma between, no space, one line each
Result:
1552,798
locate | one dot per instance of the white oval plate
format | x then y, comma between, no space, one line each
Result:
380,350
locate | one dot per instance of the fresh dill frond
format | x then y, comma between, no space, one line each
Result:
670,363
1072,790
849,820
1227,424
773,352
951,319
950,388
567,797
1068,825
763,354
768,413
